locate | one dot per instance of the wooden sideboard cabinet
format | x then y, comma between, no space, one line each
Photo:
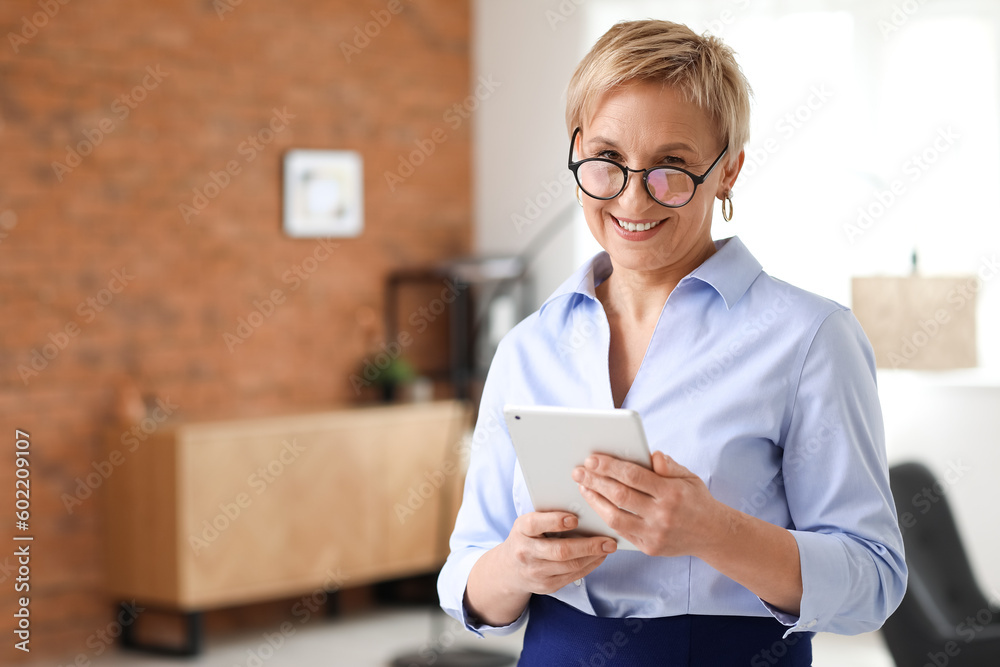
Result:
209,515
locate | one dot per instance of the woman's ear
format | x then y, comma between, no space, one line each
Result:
730,170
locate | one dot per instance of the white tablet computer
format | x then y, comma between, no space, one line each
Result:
551,441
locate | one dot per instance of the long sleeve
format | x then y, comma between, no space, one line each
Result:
837,486
488,510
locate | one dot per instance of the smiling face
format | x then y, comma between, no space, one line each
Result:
643,125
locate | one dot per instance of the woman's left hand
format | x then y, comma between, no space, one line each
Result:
670,511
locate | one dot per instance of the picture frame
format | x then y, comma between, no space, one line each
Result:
323,193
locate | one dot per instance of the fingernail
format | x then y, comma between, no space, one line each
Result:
609,547
568,521
578,474
591,462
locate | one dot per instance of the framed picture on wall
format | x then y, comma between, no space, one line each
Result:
323,193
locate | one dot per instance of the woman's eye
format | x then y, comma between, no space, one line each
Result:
669,160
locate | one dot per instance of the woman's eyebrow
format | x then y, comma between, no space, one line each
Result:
602,140
676,145
672,146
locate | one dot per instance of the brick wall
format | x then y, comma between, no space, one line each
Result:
153,97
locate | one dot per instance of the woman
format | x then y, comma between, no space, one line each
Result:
767,516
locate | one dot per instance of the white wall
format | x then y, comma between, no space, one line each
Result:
520,139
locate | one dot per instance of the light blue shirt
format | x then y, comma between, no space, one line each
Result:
765,391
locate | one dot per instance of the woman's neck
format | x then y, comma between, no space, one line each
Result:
638,295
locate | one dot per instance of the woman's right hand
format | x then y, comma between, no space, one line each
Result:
502,581
543,565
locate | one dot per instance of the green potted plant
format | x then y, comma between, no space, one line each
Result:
389,378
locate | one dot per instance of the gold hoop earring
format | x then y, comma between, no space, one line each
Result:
727,215
579,200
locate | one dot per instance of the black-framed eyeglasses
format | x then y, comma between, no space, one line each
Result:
602,178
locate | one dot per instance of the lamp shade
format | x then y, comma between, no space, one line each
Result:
918,323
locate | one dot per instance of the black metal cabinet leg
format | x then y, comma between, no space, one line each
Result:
194,631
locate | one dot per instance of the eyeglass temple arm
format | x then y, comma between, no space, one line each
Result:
572,143
701,179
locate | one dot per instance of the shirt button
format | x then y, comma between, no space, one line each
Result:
578,582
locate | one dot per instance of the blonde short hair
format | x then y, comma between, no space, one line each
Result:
703,68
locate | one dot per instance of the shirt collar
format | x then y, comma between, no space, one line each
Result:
585,279
730,272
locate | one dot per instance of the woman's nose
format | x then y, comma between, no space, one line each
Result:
635,198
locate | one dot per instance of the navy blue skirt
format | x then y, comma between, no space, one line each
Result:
559,634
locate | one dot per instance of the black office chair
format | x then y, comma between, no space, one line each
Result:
944,618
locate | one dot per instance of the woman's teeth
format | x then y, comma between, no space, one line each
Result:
632,227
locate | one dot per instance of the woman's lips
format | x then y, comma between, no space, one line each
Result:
638,231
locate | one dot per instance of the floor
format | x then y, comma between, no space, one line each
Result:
373,639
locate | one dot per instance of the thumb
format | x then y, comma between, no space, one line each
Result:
664,466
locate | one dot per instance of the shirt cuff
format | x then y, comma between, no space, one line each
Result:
458,579
825,582
483,629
